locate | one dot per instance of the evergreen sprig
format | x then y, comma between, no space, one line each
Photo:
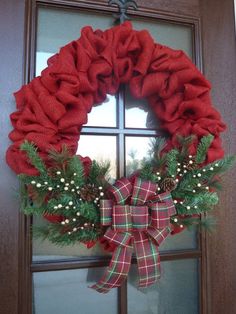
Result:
36,161
172,162
203,147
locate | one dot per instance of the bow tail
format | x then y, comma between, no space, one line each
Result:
117,271
148,259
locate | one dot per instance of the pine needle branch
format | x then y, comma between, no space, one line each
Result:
203,147
34,157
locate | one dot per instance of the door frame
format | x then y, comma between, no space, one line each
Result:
15,268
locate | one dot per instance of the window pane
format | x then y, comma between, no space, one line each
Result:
44,250
136,150
57,27
175,293
176,36
68,292
100,148
138,113
187,239
106,109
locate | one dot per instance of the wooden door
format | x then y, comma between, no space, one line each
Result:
203,269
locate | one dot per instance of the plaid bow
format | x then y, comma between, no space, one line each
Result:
131,226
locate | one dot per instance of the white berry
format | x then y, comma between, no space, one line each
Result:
70,203
58,172
62,180
33,182
38,185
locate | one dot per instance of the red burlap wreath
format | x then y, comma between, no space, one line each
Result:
53,107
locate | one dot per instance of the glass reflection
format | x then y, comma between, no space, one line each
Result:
68,292
175,293
106,109
44,250
136,151
138,114
100,148
185,240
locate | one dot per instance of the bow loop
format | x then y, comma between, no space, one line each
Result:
121,190
161,211
142,191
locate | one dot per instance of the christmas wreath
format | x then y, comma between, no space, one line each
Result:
171,189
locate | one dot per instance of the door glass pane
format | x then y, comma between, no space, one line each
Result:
136,151
68,292
175,293
138,113
100,148
44,250
106,109
176,36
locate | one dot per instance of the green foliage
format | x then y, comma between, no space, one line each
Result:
184,143
34,157
172,162
195,190
203,147
98,173
146,172
56,192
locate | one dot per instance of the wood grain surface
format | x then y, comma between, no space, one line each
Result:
219,51
11,56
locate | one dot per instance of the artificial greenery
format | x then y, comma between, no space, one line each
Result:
56,194
196,183
69,200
